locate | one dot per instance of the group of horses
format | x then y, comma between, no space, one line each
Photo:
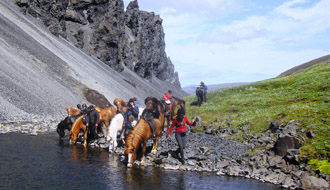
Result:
112,118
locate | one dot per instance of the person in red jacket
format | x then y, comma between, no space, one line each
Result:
180,131
167,97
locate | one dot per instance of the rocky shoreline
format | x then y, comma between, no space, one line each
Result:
271,157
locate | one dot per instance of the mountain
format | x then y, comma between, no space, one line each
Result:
192,88
42,73
303,66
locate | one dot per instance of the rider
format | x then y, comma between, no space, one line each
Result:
180,131
202,85
167,97
84,109
93,120
137,104
132,110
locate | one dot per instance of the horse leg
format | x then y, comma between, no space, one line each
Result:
144,148
85,137
122,135
106,129
155,145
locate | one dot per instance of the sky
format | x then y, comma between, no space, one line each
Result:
228,41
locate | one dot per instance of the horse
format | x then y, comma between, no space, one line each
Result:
115,126
201,95
142,132
106,116
64,124
171,108
72,111
67,122
120,104
75,129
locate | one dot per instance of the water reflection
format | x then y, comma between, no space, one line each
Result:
44,162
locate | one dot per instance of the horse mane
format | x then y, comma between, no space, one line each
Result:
76,123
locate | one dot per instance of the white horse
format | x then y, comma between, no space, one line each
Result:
116,126
140,113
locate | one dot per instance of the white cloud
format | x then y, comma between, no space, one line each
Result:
235,41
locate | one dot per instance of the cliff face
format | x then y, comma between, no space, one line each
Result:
131,39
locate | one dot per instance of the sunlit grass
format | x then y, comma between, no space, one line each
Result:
304,97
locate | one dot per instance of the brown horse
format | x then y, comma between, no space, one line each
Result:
75,129
120,104
171,108
142,132
72,111
106,116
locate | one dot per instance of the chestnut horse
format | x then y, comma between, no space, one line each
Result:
106,116
120,104
75,129
176,102
142,132
72,111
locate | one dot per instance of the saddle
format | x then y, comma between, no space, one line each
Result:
148,116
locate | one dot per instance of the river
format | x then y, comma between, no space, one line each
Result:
44,162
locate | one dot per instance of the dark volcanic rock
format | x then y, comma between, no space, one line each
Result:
283,144
131,39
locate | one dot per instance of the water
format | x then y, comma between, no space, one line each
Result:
43,162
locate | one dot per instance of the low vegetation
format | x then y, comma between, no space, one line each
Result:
251,108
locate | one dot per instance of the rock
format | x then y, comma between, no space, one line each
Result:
283,144
274,126
288,183
208,129
310,134
222,164
311,182
290,129
276,162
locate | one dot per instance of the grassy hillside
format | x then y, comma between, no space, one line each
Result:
304,97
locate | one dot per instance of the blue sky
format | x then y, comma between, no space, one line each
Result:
225,41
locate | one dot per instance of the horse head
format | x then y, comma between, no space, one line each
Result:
72,111
120,104
61,126
130,151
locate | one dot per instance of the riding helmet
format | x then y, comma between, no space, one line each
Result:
84,106
181,111
78,106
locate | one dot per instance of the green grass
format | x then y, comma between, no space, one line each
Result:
304,97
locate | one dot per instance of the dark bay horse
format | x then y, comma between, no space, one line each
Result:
201,95
75,129
142,132
171,108
67,122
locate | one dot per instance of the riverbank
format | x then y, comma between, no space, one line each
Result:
256,159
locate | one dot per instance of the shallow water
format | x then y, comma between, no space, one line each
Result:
43,162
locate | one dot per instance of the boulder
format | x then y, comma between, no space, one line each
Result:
274,126
311,182
283,144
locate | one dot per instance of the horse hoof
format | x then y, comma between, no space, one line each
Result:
153,151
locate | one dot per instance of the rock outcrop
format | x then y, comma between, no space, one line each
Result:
131,39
